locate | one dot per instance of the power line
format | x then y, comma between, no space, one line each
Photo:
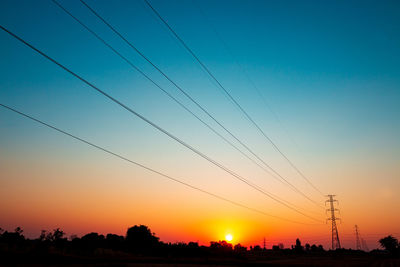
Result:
264,101
145,167
231,97
222,167
166,92
194,101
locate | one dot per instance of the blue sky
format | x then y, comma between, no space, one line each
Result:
329,70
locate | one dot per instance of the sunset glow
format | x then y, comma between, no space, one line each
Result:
303,101
229,237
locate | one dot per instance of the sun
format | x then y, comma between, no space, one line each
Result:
229,237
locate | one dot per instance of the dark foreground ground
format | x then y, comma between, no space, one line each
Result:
266,259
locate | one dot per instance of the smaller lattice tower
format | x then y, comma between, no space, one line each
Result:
358,242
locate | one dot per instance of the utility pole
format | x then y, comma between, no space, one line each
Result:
265,245
335,234
358,242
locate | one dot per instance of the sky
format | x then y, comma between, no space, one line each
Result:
320,78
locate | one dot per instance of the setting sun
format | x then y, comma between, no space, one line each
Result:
229,237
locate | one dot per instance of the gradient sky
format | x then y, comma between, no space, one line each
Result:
328,69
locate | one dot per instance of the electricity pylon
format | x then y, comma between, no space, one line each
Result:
358,242
333,218
364,245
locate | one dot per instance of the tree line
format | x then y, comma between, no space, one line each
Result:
140,240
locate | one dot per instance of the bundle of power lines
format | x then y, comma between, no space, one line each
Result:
244,149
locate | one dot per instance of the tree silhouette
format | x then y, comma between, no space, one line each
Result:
18,231
55,236
221,246
256,248
298,247
13,237
93,237
389,243
43,235
114,241
239,248
139,238
141,243
92,240
58,234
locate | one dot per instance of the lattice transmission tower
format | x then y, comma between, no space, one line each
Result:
358,242
333,219
364,245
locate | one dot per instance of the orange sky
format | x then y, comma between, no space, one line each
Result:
80,199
